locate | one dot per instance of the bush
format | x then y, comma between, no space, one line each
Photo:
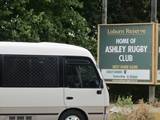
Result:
136,112
117,116
124,101
141,113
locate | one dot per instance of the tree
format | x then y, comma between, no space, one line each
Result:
44,20
119,11
158,11
66,21
128,11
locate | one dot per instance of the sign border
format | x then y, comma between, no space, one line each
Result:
154,54
157,82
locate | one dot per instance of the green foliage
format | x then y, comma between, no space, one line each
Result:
124,101
66,21
128,11
117,116
45,20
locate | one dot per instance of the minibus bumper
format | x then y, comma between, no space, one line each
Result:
100,116
106,113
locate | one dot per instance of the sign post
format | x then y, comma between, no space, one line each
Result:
158,73
153,19
126,53
154,11
131,71
104,11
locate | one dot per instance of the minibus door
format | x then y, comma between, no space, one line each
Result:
83,87
89,99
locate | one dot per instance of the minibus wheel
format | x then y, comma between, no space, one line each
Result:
72,115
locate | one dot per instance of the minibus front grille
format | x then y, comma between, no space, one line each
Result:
20,117
28,118
12,118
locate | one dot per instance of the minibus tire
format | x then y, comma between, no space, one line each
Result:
72,113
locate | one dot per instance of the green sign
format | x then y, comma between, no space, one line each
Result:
125,52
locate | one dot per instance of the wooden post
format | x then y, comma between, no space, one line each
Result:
153,19
152,93
104,11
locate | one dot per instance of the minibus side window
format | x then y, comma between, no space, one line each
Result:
15,71
30,71
80,73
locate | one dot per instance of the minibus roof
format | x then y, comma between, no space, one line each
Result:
43,48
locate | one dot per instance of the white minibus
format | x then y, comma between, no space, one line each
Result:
50,81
